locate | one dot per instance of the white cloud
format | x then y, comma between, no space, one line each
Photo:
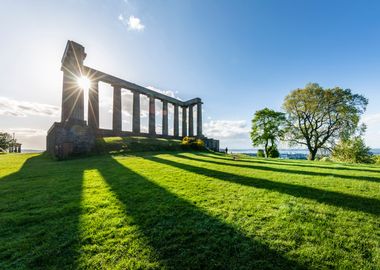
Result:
134,23
169,93
30,138
120,17
17,108
226,129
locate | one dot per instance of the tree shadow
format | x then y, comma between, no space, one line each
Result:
39,215
294,163
351,202
283,170
183,236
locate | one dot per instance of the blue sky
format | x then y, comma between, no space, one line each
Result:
238,56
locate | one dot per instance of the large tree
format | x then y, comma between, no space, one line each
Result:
267,128
318,117
5,140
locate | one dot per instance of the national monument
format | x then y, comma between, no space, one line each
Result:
74,135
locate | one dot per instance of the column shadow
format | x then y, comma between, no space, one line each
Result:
283,170
293,164
39,215
183,236
350,202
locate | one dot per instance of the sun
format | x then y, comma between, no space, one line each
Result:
84,83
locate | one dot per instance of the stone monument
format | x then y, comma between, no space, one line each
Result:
74,135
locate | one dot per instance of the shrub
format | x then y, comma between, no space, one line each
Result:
273,152
352,150
192,143
325,159
260,153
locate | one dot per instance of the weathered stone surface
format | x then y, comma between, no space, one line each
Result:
199,120
136,112
176,121
184,122
116,111
165,127
191,120
152,115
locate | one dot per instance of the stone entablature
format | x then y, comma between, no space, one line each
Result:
72,114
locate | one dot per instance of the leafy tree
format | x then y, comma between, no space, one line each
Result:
267,128
318,117
5,140
352,150
260,153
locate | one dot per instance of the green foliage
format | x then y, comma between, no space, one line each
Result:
273,152
192,143
260,153
352,150
5,140
318,117
267,128
187,211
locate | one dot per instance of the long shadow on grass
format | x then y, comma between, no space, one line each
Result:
352,202
183,236
39,215
293,164
283,170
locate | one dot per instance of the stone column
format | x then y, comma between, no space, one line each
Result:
72,99
165,128
176,122
72,95
191,121
93,106
199,119
116,111
184,122
152,115
136,112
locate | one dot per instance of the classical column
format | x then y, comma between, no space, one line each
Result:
184,122
152,115
191,120
176,124
116,111
72,94
199,119
72,99
136,112
93,105
165,128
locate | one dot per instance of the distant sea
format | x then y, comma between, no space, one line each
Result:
287,153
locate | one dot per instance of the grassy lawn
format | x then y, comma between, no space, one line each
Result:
187,210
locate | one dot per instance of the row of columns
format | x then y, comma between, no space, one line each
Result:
187,129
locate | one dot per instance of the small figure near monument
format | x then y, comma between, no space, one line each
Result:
226,151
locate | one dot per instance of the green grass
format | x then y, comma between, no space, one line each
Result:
187,210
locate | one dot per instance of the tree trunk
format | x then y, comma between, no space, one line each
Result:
312,154
266,149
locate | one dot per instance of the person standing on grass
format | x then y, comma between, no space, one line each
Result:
226,151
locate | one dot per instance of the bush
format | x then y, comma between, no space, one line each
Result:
325,159
352,150
273,152
192,143
260,153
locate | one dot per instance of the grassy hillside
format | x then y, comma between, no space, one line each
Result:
187,210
